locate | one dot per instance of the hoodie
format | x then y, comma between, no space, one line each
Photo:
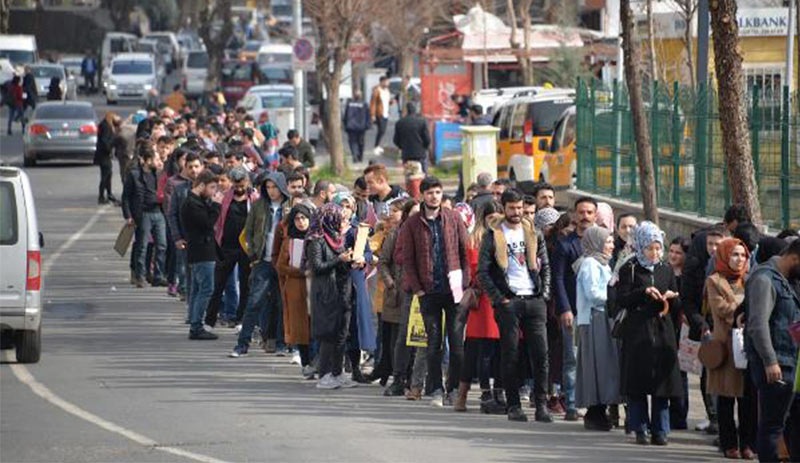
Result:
260,221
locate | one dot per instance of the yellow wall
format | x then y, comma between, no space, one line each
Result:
670,56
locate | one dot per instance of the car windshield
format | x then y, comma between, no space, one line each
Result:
65,112
277,100
46,72
18,56
282,10
71,62
278,75
237,71
119,45
274,58
162,39
8,215
197,60
132,67
146,47
546,114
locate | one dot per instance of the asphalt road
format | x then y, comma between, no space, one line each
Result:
120,381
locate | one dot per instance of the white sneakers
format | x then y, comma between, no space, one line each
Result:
377,151
335,382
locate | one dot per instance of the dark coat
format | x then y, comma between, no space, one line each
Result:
199,215
567,250
411,135
331,289
356,116
649,347
391,272
415,242
105,143
138,194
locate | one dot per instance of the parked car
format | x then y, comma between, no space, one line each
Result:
560,164
171,49
278,102
21,273
43,73
237,78
194,73
115,43
132,77
60,130
526,124
152,47
19,49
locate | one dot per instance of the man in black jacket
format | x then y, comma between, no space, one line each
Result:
140,208
199,213
411,135
514,271
356,122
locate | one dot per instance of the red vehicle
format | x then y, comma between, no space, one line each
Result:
237,77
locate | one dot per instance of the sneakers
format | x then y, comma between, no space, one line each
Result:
703,425
269,346
641,439
296,358
309,372
394,390
345,382
140,283
447,399
571,415
415,393
172,290
438,399
542,415
524,394
515,413
377,151
282,352
203,335
238,351
328,382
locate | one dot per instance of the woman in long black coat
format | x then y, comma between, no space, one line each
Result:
647,289
103,155
331,293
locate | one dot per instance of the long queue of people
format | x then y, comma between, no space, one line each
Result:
565,311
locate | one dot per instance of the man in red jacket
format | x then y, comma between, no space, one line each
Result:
15,102
436,269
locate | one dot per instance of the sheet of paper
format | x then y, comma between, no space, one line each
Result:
456,278
296,253
361,241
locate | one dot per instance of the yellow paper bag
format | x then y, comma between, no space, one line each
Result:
416,336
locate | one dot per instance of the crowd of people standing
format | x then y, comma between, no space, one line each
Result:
567,309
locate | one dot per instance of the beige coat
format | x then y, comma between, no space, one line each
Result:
723,300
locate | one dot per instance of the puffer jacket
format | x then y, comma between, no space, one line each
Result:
331,289
493,263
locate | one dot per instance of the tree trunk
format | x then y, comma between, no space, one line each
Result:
215,42
688,43
732,113
633,78
332,124
119,11
651,42
522,58
797,45
527,69
5,14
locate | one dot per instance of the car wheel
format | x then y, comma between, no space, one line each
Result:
29,346
29,161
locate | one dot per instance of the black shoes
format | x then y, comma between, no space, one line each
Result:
658,440
396,389
516,414
641,439
542,415
202,336
571,415
359,377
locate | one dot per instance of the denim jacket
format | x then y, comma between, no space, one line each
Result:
592,289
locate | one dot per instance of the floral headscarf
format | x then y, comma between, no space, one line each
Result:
467,215
545,217
327,223
644,235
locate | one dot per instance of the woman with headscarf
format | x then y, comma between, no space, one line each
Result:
106,133
296,325
598,354
648,291
362,329
724,295
54,92
605,216
328,262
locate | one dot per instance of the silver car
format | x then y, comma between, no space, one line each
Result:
60,130
43,73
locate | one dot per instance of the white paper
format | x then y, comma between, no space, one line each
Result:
456,278
739,355
296,253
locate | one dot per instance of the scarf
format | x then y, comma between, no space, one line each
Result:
545,217
327,223
644,235
593,242
724,251
292,230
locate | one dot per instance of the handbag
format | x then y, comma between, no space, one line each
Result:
712,354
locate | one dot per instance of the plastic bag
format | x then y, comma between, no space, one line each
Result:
687,352
739,355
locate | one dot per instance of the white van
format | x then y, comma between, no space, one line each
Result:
274,56
115,43
21,271
19,49
132,76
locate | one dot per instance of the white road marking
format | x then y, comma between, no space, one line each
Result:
26,378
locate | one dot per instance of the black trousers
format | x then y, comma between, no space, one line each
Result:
106,170
380,123
732,436
222,271
528,316
432,307
482,359
389,334
355,140
331,350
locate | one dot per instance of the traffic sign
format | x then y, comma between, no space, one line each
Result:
304,54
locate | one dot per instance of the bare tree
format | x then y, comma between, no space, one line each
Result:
687,9
651,41
521,50
216,28
5,14
732,112
120,12
407,27
336,21
641,133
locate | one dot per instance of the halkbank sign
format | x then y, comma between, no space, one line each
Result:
763,22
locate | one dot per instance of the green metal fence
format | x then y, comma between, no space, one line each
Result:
687,146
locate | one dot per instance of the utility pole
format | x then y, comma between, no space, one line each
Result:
702,42
299,75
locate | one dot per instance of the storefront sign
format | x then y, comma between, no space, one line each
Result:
753,22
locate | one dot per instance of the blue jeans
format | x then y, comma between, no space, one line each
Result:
15,114
151,223
264,297
202,288
231,298
659,415
180,271
774,403
569,366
